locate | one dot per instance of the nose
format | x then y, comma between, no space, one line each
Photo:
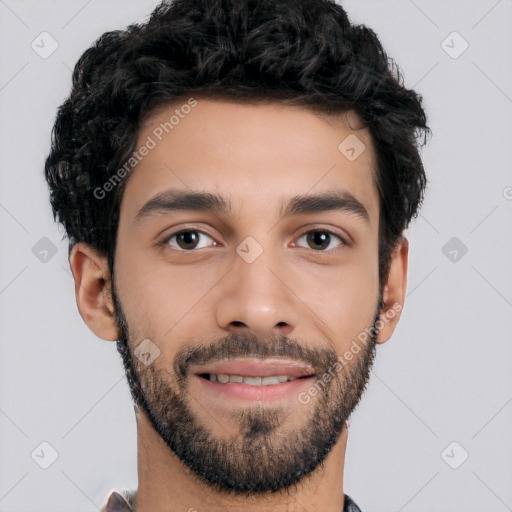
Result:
258,298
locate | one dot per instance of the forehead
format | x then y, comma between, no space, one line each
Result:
258,153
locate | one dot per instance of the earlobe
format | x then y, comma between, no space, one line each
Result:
93,290
394,291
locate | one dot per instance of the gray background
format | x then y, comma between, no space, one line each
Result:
445,375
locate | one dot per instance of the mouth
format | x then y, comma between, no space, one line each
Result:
255,380
224,378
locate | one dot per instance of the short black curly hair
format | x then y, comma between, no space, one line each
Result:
298,52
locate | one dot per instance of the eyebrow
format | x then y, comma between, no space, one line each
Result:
341,200
177,199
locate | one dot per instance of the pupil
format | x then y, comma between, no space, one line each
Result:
319,238
188,237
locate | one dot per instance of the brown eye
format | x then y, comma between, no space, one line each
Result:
186,240
320,240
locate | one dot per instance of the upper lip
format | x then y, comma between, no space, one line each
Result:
257,368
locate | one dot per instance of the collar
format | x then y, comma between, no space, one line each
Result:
126,502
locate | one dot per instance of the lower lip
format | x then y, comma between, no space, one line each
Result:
241,391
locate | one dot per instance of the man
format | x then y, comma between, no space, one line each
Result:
235,178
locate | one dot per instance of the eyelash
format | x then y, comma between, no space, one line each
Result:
166,240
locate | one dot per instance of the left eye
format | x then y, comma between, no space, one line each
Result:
320,239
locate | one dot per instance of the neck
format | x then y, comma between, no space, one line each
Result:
165,484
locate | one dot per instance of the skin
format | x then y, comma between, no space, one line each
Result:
257,156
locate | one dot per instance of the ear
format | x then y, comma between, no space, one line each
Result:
93,290
393,294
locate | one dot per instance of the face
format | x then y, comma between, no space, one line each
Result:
246,266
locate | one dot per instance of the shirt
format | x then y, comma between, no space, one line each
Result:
125,502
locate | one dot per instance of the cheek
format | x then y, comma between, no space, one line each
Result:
163,302
345,299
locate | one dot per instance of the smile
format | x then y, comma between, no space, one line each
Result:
254,379
223,378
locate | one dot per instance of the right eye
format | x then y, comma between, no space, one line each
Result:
186,240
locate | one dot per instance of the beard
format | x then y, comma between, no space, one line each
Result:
266,455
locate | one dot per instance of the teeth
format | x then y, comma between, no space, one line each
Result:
252,381
265,381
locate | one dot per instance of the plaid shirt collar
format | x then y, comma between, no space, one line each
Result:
125,502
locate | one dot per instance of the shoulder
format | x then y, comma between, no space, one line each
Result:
350,505
120,502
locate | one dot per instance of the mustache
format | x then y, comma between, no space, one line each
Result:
250,346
